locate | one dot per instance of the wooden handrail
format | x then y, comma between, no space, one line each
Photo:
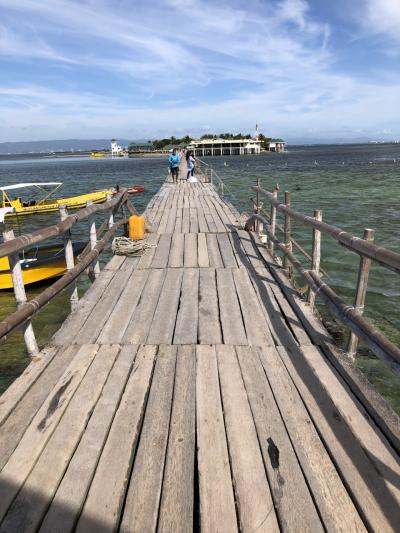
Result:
29,239
376,341
28,309
387,258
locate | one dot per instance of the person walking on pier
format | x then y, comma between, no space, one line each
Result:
174,162
190,160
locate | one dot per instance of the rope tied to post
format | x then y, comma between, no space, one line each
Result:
129,247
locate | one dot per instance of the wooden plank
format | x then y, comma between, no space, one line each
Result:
209,321
143,496
74,321
107,491
292,499
187,318
160,259
70,496
178,221
217,220
241,257
371,439
202,251
162,227
27,510
93,326
378,508
194,223
139,325
257,329
176,507
217,504
115,263
41,428
185,219
253,496
163,323
19,388
335,507
213,251
171,220
190,250
225,248
117,323
146,259
203,228
231,317
19,415
210,221
176,252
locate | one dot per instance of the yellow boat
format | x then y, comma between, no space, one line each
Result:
47,204
97,154
38,264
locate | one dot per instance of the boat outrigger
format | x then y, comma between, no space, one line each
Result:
38,264
47,204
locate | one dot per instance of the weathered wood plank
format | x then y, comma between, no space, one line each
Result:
214,253
143,496
190,250
203,228
68,501
27,510
253,496
146,259
139,325
217,504
202,251
40,430
185,219
163,323
225,247
231,317
107,491
187,317
209,321
160,259
194,222
176,252
292,499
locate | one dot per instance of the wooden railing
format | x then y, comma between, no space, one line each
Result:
350,315
87,260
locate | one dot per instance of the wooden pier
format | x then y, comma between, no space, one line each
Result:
192,389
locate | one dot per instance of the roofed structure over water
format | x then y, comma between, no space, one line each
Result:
215,147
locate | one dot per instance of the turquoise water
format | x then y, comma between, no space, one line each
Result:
356,186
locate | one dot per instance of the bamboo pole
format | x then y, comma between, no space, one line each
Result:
20,295
286,233
93,240
387,258
375,340
259,225
361,291
111,215
316,256
272,227
69,257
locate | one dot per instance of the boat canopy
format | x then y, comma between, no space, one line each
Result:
26,185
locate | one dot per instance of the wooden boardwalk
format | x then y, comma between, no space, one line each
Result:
188,392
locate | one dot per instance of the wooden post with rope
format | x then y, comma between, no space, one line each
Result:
316,256
93,240
69,256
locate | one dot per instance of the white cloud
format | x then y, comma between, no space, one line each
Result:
383,16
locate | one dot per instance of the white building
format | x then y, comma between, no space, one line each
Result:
276,146
116,149
215,147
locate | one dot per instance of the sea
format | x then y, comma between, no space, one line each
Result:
355,186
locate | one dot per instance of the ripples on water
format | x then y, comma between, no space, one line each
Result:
356,186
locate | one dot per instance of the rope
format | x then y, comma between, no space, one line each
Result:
129,247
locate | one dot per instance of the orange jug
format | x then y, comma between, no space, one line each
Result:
136,227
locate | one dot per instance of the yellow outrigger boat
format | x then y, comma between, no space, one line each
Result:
38,264
47,204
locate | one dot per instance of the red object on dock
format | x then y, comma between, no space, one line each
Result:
135,190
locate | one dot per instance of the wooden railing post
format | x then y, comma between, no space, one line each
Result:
221,188
361,291
93,239
316,255
259,225
272,222
111,215
69,257
286,233
20,295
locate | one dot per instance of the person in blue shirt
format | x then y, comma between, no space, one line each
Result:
174,161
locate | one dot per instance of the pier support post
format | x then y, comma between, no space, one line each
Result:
69,257
272,222
111,215
286,233
20,295
361,291
316,255
259,225
93,240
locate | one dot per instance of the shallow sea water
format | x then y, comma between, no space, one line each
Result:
356,186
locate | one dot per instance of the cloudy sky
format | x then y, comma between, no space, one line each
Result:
132,69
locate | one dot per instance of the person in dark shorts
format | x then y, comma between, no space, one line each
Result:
174,161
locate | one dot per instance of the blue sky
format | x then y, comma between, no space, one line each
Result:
132,69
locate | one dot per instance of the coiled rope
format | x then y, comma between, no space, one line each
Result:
129,247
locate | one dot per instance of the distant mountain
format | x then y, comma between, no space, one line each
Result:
26,147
